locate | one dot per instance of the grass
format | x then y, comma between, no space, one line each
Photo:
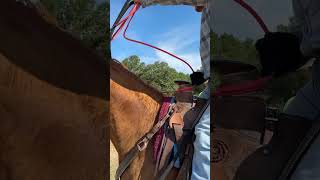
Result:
114,161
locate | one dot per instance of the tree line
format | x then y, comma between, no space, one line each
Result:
159,74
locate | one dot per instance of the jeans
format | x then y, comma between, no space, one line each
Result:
307,101
201,156
307,104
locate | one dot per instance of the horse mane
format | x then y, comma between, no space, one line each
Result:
128,76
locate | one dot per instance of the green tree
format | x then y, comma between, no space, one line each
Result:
134,65
159,74
229,47
84,19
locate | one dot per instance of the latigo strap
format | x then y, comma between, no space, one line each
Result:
142,144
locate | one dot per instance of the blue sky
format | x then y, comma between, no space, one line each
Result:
231,18
173,28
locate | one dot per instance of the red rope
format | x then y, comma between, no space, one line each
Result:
185,89
254,14
131,15
124,20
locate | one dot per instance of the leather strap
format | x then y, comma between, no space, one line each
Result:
142,144
178,131
165,155
171,137
271,161
173,133
192,117
160,156
167,170
293,162
124,9
184,136
184,173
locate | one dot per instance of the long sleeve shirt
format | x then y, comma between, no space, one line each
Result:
205,27
306,24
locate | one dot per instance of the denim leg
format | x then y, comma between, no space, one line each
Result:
201,156
307,104
307,101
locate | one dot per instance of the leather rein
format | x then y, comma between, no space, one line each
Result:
141,144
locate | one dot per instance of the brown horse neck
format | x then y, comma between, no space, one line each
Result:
134,107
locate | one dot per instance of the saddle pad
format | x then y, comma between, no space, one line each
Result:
167,101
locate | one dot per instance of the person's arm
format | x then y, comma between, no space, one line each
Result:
146,3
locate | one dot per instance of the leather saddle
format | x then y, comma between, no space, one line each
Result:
242,123
278,159
177,145
250,140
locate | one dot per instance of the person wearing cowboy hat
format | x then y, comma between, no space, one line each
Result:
286,52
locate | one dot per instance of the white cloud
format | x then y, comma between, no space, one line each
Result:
178,41
119,57
183,41
192,58
131,34
148,59
179,38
